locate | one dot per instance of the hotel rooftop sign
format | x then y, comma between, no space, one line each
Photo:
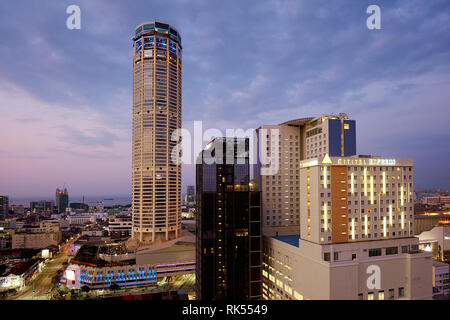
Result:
355,161
364,162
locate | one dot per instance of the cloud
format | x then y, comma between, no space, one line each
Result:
65,95
90,137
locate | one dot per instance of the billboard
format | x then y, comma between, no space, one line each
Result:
45,254
69,275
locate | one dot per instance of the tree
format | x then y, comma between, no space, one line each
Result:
12,291
85,289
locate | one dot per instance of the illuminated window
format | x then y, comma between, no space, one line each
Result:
298,296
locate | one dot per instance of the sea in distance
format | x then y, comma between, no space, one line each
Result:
106,201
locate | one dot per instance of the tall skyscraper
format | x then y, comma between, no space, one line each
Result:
4,206
228,223
62,200
298,140
156,179
190,197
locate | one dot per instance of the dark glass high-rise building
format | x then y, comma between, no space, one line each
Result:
62,200
190,198
4,207
228,223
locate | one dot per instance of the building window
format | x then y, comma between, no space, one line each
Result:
381,295
336,256
391,250
326,256
374,252
404,249
360,296
401,292
391,294
370,296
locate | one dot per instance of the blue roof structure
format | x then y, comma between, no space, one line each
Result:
290,239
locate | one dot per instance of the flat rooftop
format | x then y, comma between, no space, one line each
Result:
290,239
439,264
432,215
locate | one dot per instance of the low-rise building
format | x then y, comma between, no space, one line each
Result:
120,225
5,240
86,218
73,248
17,276
42,206
341,271
95,231
441,280
24,240
436,241
81,219
436,199
37,236
428,220
18,209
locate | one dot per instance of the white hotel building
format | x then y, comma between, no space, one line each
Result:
356,227
287,144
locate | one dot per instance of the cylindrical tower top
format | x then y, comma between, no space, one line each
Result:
157,27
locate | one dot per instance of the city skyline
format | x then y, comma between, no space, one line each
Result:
66,109
206,150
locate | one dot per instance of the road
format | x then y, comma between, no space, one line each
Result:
185,282
38,288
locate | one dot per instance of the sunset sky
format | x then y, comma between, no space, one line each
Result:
65,95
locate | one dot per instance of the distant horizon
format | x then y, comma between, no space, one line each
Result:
121,196
45,197
120,199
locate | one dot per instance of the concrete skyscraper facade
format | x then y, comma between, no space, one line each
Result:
156,179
